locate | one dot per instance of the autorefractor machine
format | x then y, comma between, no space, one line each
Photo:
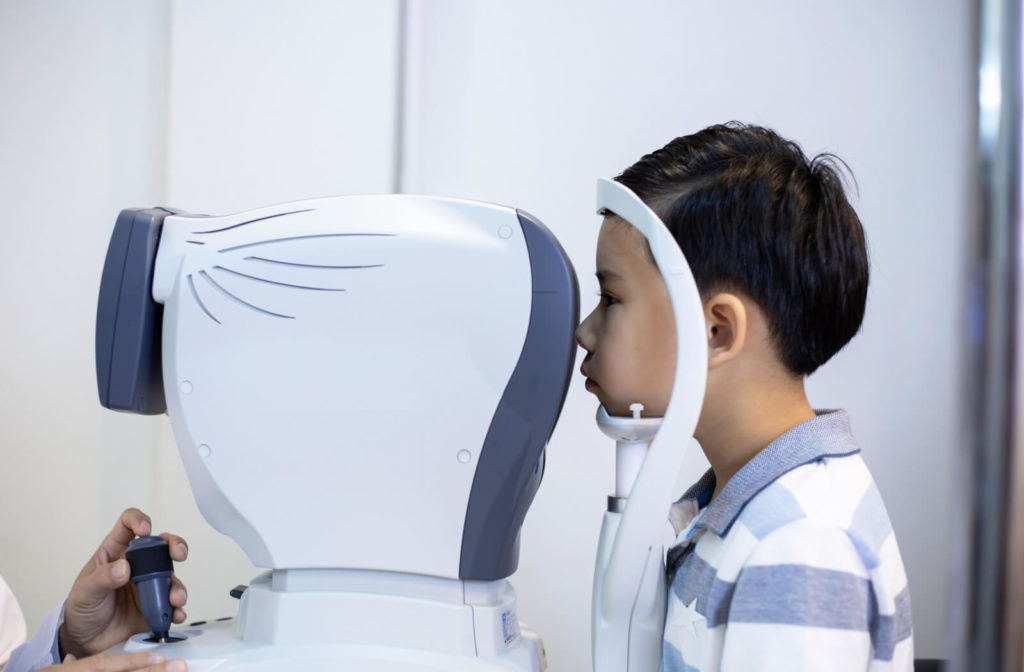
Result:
361,389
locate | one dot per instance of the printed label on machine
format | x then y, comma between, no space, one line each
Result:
509,627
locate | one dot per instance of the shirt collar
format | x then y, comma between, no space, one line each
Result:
826,435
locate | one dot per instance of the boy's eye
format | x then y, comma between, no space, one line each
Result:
607,299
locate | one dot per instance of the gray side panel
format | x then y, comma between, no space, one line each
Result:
128,321
511,462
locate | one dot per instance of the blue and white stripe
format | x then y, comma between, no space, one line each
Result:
794,566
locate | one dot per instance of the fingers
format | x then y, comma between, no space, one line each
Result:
93,586
169,666
132,523
177,546
178,596
108,570
123,662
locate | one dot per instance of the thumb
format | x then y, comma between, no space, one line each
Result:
69,658
95,586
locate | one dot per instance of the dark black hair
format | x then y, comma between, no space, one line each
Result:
753,214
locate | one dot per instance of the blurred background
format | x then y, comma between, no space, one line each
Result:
217,106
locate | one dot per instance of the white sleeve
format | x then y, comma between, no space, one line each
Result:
43,649
12,623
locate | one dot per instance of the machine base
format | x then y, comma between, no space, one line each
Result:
368,621
216,647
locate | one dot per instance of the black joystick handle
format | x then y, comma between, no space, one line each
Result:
150,560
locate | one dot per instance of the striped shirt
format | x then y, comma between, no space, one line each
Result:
793,566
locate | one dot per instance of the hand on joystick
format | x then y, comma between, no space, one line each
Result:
102,609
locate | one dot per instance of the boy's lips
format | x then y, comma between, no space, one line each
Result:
590,382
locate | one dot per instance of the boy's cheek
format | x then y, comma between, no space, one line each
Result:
612,398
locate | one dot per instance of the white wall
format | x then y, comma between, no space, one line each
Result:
81,136
229,105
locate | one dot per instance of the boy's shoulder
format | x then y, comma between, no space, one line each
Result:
813,470
811,480
830,491
831,506
795,556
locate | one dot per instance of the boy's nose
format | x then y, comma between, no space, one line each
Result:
585,334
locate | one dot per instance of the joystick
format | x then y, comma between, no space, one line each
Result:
150,561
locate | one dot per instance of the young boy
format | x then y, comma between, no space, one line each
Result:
785,558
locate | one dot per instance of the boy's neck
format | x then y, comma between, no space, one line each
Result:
752,419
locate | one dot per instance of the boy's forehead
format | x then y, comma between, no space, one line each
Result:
619,241
620,230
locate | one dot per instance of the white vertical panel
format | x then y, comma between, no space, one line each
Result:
273,101
527,103
268,101
81,128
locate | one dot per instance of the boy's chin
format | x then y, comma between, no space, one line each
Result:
616,408
609,406
620,409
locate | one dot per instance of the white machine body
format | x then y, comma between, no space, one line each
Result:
320,393
628,615
361,389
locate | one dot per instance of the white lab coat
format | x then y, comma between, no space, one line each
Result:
17,655
12,623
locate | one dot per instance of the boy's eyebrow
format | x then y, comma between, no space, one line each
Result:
604,275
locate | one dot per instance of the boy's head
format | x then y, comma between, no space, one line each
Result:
758,220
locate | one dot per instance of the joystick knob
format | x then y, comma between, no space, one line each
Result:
150,561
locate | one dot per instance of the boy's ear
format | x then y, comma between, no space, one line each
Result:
726,320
